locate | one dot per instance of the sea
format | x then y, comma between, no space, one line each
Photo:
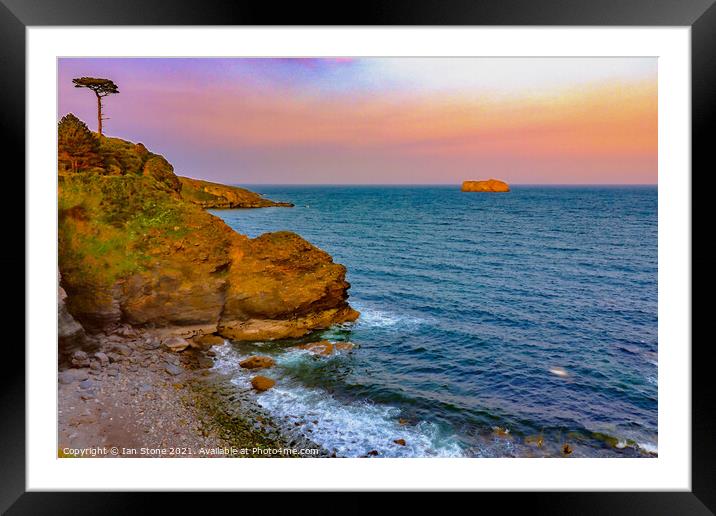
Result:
520,324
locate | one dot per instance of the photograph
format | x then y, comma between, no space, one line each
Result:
357,257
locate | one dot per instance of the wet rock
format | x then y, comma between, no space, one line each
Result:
372,453
344,346
206,341
80,359
536,440
322,347
175,344
262,383
500,431
173,369
257,362
400,442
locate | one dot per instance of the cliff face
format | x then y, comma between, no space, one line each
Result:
214,195
491,185
133,250
70,334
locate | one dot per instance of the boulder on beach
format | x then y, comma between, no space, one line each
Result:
175,344
490,185
257,362
262,383
205,342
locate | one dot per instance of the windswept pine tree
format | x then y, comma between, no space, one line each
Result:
101,88
77,147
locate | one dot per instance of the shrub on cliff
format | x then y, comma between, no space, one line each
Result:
77,147
161,170
122,157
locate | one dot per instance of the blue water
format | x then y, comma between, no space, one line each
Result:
490,322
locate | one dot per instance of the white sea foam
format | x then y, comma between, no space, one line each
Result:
351,428
380,319
649,447
355,428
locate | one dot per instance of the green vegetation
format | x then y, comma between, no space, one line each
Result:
117,202
77,147
198,196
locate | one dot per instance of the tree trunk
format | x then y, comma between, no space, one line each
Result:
99,114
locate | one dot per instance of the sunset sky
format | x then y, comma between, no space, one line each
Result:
382,120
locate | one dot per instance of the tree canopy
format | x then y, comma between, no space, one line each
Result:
77,148
101,87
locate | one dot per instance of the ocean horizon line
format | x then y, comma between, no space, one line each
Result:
542,185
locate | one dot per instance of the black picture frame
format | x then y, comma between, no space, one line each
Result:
16,15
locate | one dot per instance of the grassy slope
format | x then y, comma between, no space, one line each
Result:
110,217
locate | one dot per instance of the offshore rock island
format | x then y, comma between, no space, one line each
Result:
490,185
149,281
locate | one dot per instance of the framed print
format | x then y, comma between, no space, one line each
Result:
427,248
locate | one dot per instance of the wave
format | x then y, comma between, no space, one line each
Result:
379,319
346,428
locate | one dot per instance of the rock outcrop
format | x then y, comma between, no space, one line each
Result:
133,250
70,333
215,195
491,185
325,348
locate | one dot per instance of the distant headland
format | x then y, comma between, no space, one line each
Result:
491,185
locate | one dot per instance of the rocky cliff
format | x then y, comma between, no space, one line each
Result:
133,250
215,195
490,185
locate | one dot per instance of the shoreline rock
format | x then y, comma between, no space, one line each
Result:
490,185
257,362
262,383
167,263
218,196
